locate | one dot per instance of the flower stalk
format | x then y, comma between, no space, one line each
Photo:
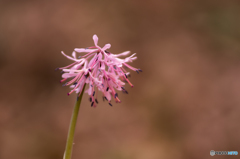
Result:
69,145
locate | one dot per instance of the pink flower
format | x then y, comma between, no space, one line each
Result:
98,68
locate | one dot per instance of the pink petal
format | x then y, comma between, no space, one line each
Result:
89,90
79,50
74,54
68,56
122,54
95,39
107,46
68,75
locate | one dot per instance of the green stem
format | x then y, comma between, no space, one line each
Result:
69,145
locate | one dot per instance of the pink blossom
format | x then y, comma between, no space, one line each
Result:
98,68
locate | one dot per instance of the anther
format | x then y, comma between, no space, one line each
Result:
62,72
107,89
122,88
110,104
93,93
125,75
92,104
56,69
107,51
90,99
75,83
96,101
79,57
116,95
91,85
140,70
89,70
114,67
68,94
137,71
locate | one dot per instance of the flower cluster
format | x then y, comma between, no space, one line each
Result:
98,68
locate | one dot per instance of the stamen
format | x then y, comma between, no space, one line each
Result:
107,88
140,70
63,80
93,93
110,104
118,100
96,101
56,69
116,95
92,104
90,99
124,91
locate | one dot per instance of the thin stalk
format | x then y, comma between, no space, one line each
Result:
69,145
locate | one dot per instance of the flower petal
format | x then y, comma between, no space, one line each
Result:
79,50
70,58
95,39
74,54
107,46
68,75
122,54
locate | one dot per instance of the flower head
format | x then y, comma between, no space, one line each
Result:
98,68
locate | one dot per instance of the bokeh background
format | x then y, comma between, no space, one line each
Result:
184,104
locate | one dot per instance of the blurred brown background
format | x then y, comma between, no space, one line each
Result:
184,104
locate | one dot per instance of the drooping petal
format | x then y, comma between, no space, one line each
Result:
70,58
